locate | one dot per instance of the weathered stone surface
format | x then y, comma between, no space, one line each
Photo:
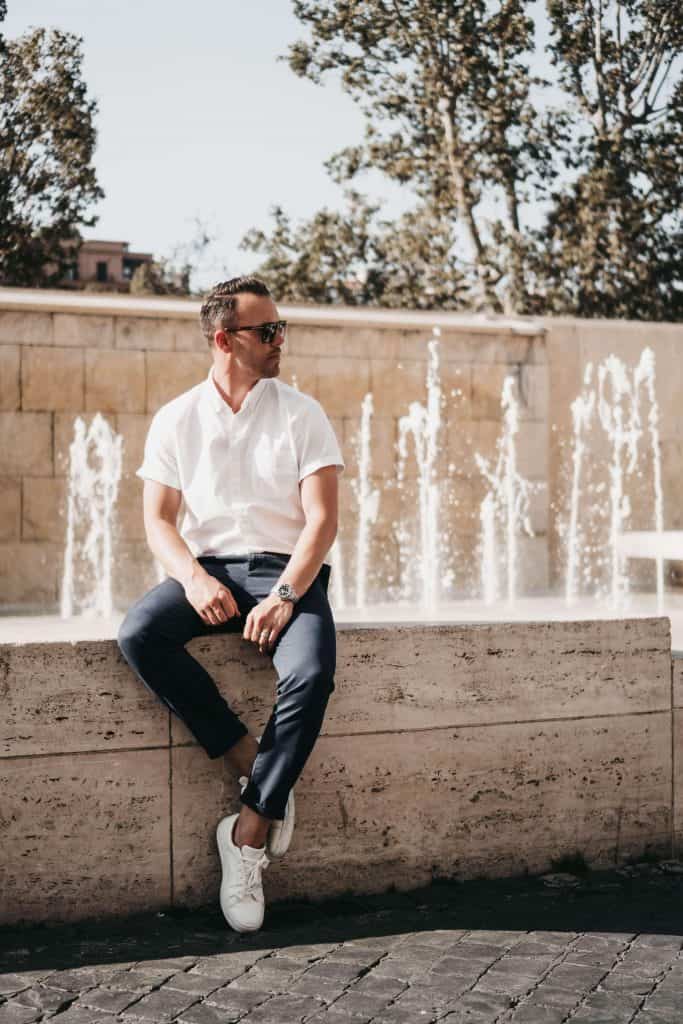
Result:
360,343
169,377
28,574
114,381
133,428
300,372
578,788
527,671
25,444
10,393
62,698
678,681
84,836
19,328
83,331
188,337
395,385
342,384
532,450
10,508
145,332
44,508
204,791
52,378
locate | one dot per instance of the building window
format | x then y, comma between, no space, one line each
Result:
102,271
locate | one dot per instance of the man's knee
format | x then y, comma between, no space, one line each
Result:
132,634
310,682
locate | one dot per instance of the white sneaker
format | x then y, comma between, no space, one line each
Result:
241,897
280,832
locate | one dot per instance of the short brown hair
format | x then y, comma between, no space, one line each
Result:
219,304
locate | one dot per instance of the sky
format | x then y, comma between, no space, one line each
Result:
198,118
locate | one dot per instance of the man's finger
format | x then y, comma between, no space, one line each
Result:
210,616
227,603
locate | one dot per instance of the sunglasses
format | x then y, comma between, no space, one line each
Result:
267,331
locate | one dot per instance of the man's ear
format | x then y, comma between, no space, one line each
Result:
223,341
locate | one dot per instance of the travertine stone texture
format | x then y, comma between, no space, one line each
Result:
25,328
168,377
25,444
677,751
144,333
10,508
28,574
52,378
83,331
10,389
86,835
44,508
502,746
114,381
63,698
678,681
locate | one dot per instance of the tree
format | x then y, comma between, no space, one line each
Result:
524,183
357,259
47,141
613,241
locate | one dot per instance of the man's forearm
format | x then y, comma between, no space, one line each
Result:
315,540
171,550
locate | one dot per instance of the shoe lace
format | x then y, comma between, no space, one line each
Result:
250,882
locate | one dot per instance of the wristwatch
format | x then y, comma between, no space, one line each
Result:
286,592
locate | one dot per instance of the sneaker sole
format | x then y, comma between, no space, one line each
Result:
222,839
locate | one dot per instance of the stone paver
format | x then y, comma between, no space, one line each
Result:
605,949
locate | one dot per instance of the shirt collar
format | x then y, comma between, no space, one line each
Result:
218,402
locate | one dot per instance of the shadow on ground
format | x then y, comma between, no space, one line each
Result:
649,899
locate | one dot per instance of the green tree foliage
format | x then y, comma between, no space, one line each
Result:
613,241
559,193
47,141
355,258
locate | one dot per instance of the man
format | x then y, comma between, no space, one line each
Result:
256,464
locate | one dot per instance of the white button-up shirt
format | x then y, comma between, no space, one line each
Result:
239,473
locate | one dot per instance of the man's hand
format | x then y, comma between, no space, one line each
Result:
212,601
266,621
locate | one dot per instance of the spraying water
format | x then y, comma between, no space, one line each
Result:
367,498
424,423
617,402
93,484
506,503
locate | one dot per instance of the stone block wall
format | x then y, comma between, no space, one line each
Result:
486,749
63,356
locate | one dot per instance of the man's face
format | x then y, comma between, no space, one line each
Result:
247,348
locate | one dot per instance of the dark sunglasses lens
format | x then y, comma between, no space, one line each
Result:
268,332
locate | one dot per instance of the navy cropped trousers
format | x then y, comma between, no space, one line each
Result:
152,639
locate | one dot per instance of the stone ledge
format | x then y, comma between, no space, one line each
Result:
561,741
46,301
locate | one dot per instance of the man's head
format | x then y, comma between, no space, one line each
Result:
242,302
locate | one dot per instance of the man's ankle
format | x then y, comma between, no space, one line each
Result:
248,837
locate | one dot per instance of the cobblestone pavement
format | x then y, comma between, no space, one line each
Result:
599,948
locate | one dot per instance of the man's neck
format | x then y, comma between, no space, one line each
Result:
233,389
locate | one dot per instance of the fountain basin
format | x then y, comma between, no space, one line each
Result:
448,750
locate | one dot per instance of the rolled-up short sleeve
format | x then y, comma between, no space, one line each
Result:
316,441
160,462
